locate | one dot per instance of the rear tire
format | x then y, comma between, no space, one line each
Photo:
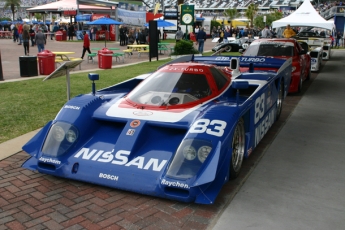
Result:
300,84
280,99
237,149
309,72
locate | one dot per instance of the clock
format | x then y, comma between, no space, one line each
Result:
187,18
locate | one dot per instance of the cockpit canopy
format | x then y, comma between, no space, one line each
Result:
179,84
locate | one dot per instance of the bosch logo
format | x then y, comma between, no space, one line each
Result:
142,113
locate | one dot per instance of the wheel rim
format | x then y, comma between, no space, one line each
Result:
238,147
280,98
228,48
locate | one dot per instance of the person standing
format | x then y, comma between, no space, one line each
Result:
196,30
288,32
55,29
70,32
26,39
40,40
15,33
201,38
94,33
266,33
337,40
32,35
178,35
20,33
86,44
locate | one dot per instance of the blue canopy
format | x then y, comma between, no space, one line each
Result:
162,23
105,21
83,17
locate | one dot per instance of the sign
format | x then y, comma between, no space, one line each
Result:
187,14
70,12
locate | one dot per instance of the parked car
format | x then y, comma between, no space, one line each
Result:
179,133
234,45
285,48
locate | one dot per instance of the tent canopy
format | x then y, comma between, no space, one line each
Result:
305,15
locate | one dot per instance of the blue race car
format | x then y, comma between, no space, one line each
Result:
178,133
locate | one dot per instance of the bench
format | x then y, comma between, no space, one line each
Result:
91,56
128,52
172,49
59,60
143,51
118,56
162,49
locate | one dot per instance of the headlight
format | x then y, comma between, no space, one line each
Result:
60,138
185,164
203,153
58,133
293,69
189,152
71,136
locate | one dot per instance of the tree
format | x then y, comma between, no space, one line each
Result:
13,4
259,20
231,13
251,13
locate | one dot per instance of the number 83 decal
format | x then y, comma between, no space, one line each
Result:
214,127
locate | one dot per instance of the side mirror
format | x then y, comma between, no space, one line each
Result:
303,52
240,85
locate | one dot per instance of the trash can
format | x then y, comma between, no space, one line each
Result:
46,62
58,36
28,66
105,58
64,35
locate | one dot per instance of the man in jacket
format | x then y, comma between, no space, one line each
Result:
288,32
86,44
201,38
266,33
40,40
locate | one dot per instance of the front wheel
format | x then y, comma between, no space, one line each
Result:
237,147
228,48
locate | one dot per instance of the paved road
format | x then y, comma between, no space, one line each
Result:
300,181
300,175
10,53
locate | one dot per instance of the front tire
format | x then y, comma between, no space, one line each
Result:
228,48
237,149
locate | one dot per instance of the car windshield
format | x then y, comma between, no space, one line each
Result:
271,49
171,88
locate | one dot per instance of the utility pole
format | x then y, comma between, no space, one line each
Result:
1,74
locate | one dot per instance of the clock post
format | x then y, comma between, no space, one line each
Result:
187,16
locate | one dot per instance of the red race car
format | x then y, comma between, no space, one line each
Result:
284,48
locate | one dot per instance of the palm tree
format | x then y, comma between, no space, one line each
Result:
13,4
251,12
231,13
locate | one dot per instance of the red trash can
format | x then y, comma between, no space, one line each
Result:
105,58
58,36
64,35
46,62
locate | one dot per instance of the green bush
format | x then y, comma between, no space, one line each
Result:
184,47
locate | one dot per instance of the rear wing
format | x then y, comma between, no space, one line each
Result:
244,61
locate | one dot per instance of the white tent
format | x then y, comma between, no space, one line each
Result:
305,15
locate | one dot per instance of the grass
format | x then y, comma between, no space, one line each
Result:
28,105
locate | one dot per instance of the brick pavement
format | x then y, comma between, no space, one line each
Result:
29,200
